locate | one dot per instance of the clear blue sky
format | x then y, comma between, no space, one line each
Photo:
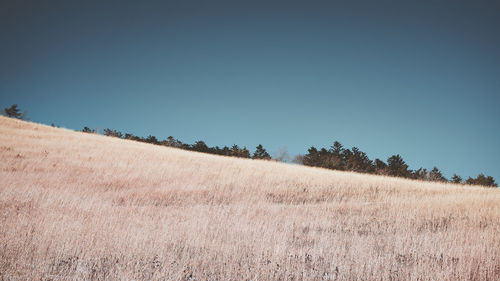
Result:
418,78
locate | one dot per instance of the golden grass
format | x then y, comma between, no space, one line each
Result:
83,206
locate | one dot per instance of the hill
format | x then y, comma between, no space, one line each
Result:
84,206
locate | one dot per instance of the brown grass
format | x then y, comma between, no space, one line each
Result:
82,206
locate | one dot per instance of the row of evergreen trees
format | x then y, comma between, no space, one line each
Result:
336,157
339,158
200,146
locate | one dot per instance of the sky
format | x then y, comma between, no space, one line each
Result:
415,78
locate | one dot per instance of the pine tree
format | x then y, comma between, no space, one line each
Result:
397,166
14,112
436,175
336,149
358,161
420,174
151,139
380,167
87,130
336,160
235,150
170,141
324,158
347,163
261,153
482,180
200,146
112,133
456,179
244,152
129,136
226,151
312,157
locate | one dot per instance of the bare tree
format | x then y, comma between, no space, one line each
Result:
298,159
282,155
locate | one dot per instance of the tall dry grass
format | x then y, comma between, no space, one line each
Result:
76,206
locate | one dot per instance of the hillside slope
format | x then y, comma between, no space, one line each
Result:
84,206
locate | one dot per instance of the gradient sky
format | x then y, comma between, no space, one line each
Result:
418,78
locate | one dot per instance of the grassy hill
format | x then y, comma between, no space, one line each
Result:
83,206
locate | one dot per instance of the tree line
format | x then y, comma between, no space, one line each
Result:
200,146
336,157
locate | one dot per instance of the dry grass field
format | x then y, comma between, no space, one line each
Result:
77,206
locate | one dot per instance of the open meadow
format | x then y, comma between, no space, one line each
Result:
80,206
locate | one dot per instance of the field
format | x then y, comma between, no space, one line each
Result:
78,206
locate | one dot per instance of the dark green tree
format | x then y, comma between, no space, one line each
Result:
380,167
225,151
261,153
358,161
312,157
346,159
87,130
170,141
244,152
129,136
200,146
325,159
456,179
436,175
14,112
151,139
483,180
420,174
336,149
112,133
397,166
173,142
336,160
236,151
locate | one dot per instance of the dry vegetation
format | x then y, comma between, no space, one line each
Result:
83,206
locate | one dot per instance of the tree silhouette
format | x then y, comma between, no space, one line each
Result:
112,133
358,161
245,153
336,149
336,157
380,167
129,136
456,179
14,112
261,153
420,174
151,139
336,160
482,180
87,130
325,159
312,157
236,151
397,166
436,175
200,146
